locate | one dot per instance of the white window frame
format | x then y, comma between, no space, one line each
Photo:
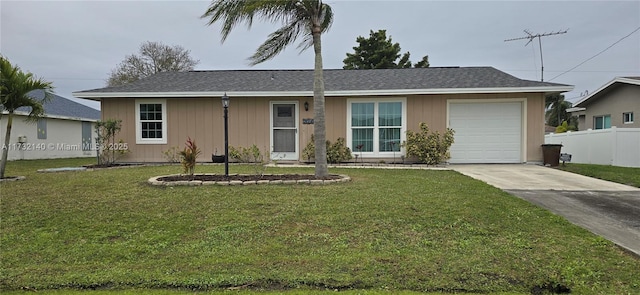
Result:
376,128
627,117
139,139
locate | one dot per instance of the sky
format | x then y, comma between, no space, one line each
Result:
76,44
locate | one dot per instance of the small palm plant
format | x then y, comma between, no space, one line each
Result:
15,86
189,156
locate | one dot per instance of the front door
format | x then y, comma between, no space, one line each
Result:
284,131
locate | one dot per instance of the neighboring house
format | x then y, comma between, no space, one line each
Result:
66,130
497,118
614,104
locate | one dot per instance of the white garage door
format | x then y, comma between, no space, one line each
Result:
486,132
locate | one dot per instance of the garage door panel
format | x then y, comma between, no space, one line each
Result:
486,132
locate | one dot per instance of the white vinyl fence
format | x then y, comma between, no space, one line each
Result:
614,146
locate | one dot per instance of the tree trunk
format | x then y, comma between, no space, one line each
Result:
319,129
5,147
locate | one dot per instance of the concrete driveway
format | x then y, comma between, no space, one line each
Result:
608,209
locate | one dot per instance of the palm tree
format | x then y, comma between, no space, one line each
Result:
14,88
556,108
301,18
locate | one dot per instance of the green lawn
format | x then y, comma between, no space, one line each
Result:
386,231
625,175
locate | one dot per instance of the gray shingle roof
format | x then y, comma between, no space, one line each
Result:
335,80
60,106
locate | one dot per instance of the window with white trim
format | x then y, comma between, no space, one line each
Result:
627,118
602,122
376,127
151,121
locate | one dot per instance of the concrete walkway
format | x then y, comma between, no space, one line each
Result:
608,209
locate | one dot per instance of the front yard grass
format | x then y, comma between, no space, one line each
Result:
625,175
386,231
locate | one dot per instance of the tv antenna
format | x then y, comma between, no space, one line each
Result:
530,36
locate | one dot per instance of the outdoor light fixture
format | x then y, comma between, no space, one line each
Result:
225,105
306,106
225,101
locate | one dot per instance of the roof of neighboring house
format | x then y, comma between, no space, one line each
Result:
618,81
337,83
60,107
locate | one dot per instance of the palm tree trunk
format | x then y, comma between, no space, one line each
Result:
319,128
5,147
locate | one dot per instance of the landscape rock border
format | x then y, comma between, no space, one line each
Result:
12,178
157,182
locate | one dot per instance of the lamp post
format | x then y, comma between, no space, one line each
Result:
225,105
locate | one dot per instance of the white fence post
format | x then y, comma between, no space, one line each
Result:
614,148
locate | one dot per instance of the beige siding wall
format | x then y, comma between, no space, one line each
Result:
625,98
124,109
249,122
535,127
202,120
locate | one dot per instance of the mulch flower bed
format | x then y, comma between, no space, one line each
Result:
245,177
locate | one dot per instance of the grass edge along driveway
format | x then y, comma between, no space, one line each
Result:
624,175
386,231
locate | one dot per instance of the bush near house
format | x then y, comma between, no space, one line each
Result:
431,148
251,155
172,155
108,149
337,152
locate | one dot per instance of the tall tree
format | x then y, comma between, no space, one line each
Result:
379,52
423,63
15,86
153,57
306,19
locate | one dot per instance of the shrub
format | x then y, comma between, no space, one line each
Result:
189,156
252,155
565,126
172,154
431,148
107,149
336,152
309,151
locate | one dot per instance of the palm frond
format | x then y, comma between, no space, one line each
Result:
326,17
277,42
298,18
16,86
37,110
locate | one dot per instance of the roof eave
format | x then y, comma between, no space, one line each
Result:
606,86
99,95
573,110
21,113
